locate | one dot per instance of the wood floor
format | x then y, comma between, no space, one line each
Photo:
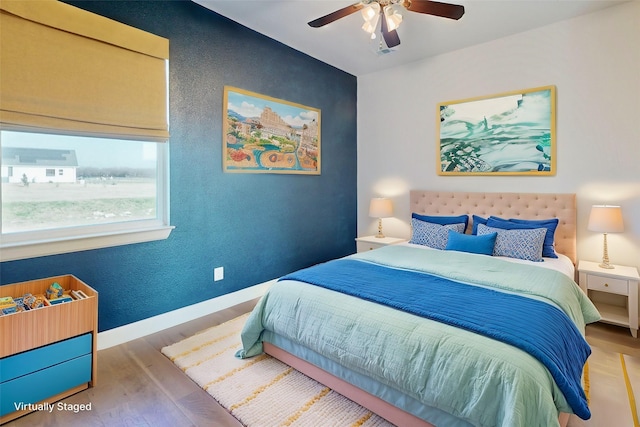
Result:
613,338
138,386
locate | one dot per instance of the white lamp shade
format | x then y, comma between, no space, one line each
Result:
380,208
371,12
606,219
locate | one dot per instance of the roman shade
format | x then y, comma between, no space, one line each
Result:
66,70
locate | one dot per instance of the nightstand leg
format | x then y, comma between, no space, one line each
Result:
632,306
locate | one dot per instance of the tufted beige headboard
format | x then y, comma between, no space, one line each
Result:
505,205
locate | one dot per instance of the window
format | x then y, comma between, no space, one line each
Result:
103,186
109,181
84,153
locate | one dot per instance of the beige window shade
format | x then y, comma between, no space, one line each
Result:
63,69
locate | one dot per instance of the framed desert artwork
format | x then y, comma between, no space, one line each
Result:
510,133
262,134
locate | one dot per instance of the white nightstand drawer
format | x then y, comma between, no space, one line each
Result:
369,243
367,246
608,284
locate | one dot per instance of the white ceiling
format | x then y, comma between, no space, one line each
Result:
345,45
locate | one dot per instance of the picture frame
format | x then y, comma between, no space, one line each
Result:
262,134
512,133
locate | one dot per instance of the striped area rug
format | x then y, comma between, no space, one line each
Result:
264,392
613,385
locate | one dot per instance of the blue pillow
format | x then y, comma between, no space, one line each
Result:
478,220
515,223
443,220
432,235
482,244
519,243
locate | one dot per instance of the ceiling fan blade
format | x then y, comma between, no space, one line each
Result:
391,38
445,10
334,16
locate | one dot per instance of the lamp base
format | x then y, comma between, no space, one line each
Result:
605,256
380,235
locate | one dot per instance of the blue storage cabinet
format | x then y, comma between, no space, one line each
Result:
48,353
36,375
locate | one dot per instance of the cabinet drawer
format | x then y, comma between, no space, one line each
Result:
43,357
608,284
366,246
40,385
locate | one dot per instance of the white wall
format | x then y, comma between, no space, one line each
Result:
594,62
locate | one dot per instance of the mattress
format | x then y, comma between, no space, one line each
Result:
438,372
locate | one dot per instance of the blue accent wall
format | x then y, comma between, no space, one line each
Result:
257,226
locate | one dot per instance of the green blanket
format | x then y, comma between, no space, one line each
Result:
476,379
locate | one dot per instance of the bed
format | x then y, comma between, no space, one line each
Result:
426,350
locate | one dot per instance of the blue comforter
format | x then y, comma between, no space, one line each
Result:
498,315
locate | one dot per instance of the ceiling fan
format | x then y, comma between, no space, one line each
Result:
390,17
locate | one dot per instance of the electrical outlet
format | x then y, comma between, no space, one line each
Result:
218,273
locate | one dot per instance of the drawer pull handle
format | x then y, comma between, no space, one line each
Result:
606,285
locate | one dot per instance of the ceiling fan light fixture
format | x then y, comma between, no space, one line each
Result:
393,17
384,27
370,26
370,14
370,11
378,43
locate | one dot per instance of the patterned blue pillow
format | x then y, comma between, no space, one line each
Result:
477,220
432,235
519,243
443,220
548,249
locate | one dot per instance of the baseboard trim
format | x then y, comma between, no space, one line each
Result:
151,325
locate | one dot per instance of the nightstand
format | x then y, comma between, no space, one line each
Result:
368,243
620,280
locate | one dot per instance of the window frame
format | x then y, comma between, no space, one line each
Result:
31,244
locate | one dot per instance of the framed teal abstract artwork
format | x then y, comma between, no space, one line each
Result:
511,133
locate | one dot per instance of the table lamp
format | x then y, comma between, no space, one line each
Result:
380,208
605,219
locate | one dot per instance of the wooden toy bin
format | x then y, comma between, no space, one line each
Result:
47,353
